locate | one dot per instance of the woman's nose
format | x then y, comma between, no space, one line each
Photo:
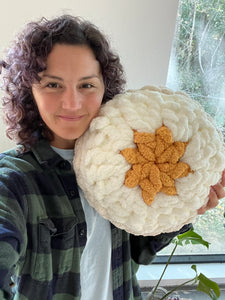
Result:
72,99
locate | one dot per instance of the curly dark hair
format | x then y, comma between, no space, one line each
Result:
27,57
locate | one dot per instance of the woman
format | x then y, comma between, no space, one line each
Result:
52,243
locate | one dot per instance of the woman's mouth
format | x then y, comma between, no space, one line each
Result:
70,118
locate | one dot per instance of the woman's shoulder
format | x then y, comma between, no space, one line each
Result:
19,159
12,160
19,167
39,158
10,155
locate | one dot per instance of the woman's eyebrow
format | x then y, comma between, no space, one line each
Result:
82,78
89,77
52,77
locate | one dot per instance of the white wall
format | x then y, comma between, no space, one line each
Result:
141,31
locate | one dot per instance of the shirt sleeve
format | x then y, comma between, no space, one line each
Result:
144,248
12,232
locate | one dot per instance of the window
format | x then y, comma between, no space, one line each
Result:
197,66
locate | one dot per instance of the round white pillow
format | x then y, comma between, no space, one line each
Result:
101,169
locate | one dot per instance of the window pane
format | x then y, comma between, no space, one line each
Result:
197,66
211,226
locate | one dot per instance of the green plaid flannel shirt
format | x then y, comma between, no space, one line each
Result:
43,232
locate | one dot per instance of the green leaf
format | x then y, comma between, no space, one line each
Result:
195,269
208,287
190,237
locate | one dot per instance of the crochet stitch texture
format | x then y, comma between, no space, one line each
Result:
155,163
101,168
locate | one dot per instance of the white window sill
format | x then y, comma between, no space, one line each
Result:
178,273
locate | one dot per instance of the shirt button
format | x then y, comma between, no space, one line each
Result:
65,165
82,232
72,193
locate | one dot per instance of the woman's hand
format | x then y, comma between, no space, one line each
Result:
216,192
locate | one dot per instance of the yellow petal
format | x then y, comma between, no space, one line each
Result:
151,145
154,177
147,186
140,158
160,146
148,198
137,169
166,155
166,167
130,155
166,180
170,191
131,179
180,170
165,134
180,147
143,137
146,170
146,152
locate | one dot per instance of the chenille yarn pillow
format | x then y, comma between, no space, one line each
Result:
148,159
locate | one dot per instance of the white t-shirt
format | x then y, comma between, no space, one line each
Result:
95,265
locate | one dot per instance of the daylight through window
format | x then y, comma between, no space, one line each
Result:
197,66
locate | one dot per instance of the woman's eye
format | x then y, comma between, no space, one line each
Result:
87,85
53,85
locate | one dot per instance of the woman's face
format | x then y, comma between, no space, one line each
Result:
70,92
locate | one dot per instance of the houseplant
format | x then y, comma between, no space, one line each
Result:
204,284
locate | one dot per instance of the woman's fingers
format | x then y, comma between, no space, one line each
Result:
215,194
212,202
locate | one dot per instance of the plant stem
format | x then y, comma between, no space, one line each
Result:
176,288
164,270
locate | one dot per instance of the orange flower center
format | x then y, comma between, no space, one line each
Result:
155,163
